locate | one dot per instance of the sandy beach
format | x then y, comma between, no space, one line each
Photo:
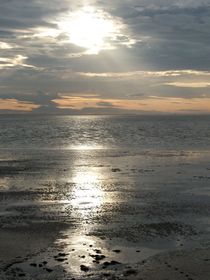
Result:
104,214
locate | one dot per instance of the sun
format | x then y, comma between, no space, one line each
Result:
89,28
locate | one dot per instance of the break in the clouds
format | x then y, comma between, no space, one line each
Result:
130,56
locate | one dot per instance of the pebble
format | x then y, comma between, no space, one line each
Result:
49,270
115,170
117,251
62,254
61,259
84,268
130,272
97,251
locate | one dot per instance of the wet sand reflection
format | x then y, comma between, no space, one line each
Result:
87,199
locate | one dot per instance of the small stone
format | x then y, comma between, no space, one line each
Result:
116,251
106,274
21,274
97,251
99,257
61,259
33,264
84,268
105,264
62,254
115,170
130,272
114,262
49,270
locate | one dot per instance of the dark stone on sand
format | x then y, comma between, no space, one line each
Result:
97,251
62,254
94,261
138,251
49,270
40,265
84,268
98,257
61,259
117,251
44,262
114,262
130,272
82,257
33,264
106,274
116,169
21,274
105,264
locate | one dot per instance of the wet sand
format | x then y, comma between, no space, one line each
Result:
104,214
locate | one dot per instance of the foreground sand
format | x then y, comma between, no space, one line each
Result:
54,262
108,215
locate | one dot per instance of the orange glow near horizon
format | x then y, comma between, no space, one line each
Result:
16,105
151,104
169,105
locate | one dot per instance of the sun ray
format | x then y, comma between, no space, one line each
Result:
90,28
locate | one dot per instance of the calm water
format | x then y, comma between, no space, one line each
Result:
79,184
83,132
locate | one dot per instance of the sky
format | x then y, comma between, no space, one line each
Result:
105,57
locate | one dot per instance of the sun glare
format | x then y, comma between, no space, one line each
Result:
87,191
89,28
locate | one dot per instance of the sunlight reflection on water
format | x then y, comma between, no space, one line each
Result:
87,199
84,147
87,192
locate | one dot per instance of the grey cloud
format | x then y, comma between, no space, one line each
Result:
105,104
169,34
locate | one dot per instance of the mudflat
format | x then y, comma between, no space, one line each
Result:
100,214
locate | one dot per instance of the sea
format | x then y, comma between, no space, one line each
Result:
105,132
131,187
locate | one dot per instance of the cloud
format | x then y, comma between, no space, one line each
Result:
190,84
154,103
158,50
169,73
105,104
16,105
18,60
